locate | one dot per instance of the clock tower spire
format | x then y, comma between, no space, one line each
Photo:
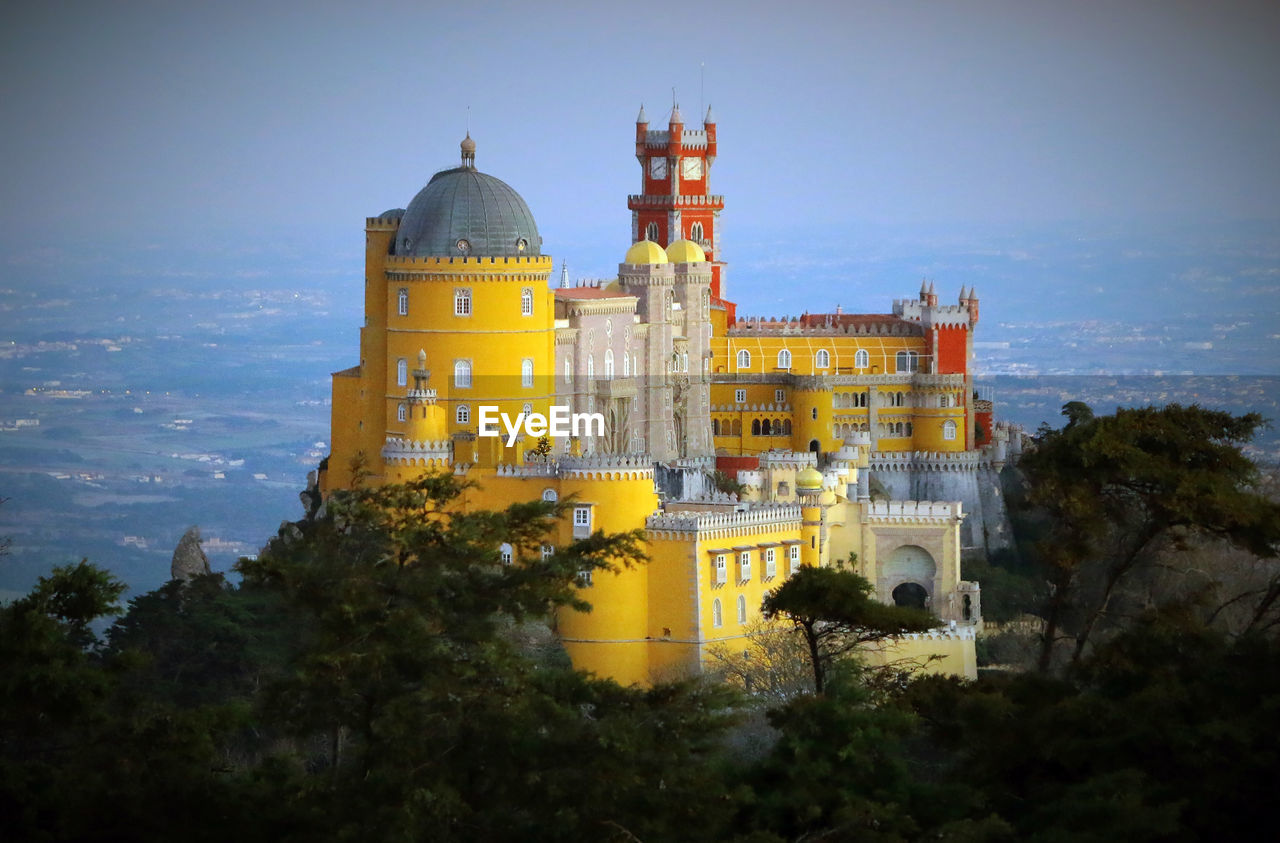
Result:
675,200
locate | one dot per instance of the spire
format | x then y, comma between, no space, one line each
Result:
564,265
468,151
708,120
642,117
675,114
931,290
973,294
924,287
963,296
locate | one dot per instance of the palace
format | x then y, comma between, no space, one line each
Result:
822,420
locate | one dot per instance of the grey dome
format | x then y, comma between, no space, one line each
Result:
468,206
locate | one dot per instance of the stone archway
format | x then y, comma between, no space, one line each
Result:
908,564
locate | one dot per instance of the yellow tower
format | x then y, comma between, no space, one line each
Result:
457,280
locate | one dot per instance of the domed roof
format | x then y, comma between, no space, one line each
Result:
645,251
809,480
685,251
465,212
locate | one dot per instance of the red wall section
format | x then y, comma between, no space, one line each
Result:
952,351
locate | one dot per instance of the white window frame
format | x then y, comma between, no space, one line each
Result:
742,609
608,364
526,373
581,522
402,413
861,359
949,430
770,563
822,360
461,374
568,370
526,301
719,569
548,550
779,396
784,359
506,553
402,372
717,613
793,558
462,414
402,301
584,578
744,358
739,396
744,566
695,231
461,301
549,495
651,232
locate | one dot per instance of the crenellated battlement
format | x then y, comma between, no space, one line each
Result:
837,325
724,525
928,460
946,315
904,511
645,200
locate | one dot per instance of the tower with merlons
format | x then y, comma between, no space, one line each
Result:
675,201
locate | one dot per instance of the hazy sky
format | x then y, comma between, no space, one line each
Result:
186,123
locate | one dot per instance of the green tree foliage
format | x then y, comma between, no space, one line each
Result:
1113,491
836,612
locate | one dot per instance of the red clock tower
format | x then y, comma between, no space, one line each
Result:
675,200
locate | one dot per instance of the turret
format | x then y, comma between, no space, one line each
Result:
932,296
973,306
675,132
642,131
709,124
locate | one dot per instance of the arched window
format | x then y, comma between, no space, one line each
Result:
402,372
822,359
755,427
462,301
786,427
626,365
715,427
907,361
744,359
402,301
527,409
784,359
717,614
526,301
402,413
742,609
684,361
568,370
765,428
506,553
463,414
695,231
462,374
651,232
550,496
949,430
591,367
526,373
736,429
608,364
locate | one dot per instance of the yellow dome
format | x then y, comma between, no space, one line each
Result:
645,251
809,480
685,251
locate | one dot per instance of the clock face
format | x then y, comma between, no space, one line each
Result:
691,168
658,168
